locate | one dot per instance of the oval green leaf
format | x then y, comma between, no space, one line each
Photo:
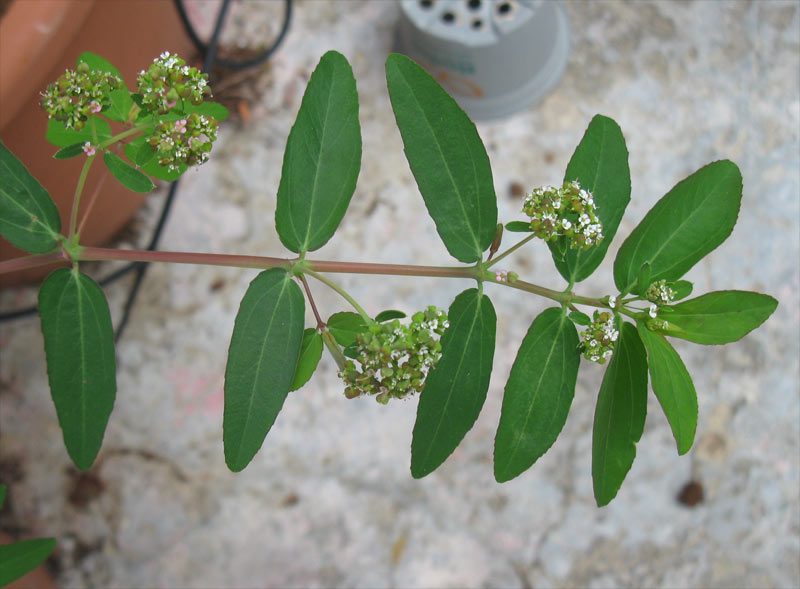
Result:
121,105
455,389
28,216
129,176
685,225
600,164
619,416
345,326
672,386
262,359
719,317
69,152
322,158
310,353
538,394
20,558
59,135
519,227
81,368
143,156
212,109
388,315
98,63
682,289
447,158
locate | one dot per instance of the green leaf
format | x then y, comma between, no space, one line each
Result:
136,151
79,348
345,326
2,494
68,152
28,216
685,225
60,136
518,227
213,109
580,318
322,158
538,394
447,158
388,315
121,105
97,63
129,176
719,317
682,289
643,279
143,155
351,351
262,359
619,416
20,558
600,164
456,387
310,353
673,387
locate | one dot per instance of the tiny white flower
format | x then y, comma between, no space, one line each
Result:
612,301
653,311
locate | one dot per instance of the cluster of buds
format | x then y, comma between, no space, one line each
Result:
78,94
600,337
169,80
660,293
567,212
506,276
185,141
393,360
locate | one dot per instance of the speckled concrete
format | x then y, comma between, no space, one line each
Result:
329,501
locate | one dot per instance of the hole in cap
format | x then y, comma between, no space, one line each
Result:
474,5
477,24
426,3
448,17
504,8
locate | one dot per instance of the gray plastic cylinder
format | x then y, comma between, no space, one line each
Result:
494,56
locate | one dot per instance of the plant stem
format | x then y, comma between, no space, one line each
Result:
343,293
127,133
314,268
509,251
31,261
235,260
320,322
76,200
391,269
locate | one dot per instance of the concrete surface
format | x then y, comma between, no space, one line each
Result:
329,500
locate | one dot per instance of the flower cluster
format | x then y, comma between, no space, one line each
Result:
568,212
78,94
660,293
185,141
600,338
169,80
393,360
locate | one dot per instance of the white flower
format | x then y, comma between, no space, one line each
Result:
612,301
653,312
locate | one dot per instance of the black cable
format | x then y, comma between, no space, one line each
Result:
209,59
230,63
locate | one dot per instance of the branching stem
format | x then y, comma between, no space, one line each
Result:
343,293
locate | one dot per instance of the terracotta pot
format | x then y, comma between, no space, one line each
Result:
38,41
